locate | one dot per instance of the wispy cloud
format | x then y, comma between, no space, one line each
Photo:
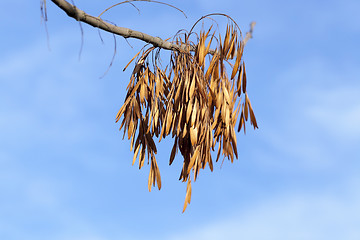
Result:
337,111
315,115
329,214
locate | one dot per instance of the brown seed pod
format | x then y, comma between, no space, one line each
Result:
193,99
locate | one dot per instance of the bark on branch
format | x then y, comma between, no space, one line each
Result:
79,15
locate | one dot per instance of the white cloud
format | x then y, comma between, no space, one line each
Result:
38,207
329,214
337,111
315,116
44,96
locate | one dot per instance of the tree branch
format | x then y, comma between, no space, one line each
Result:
79,15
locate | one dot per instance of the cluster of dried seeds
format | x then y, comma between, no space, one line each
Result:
193,99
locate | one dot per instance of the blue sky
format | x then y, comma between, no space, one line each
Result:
66,173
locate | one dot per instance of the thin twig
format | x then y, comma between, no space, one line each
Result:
113,57
129,1
45,19
216,14
249,33
135,7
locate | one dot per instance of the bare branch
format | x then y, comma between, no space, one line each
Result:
79,15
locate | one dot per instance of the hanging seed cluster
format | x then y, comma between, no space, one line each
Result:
196,99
